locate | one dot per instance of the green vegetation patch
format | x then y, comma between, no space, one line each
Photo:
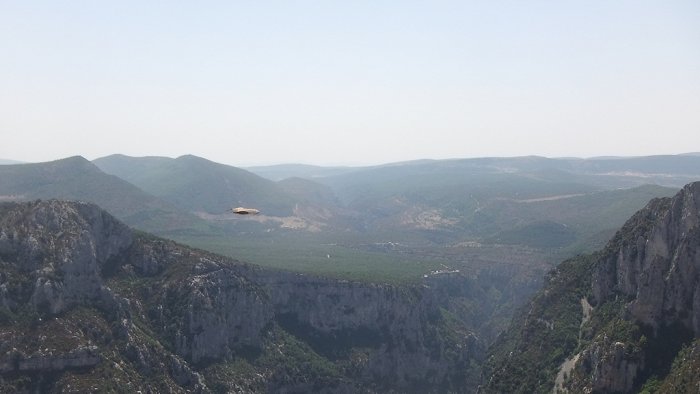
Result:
527,357
284,361
306,255
684,374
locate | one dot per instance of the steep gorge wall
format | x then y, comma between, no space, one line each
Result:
645,291
168,308
653,266
400,324
656,263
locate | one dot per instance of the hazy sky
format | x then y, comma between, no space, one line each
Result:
348,82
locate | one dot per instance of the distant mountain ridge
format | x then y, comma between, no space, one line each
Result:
76,178
279,172
680,167
196,184
448,197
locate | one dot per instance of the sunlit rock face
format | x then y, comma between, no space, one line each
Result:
65,246
657,263
644,290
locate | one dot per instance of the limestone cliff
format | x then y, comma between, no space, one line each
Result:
652,269
655,263
86,303
644,289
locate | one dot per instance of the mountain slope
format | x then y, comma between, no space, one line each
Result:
78,179
601,173
530,201
614,321
668,170
196,184
283,171
88,305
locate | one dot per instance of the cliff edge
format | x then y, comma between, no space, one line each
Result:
624,319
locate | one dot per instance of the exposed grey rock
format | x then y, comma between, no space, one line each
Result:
609,367
395,319
64,246
223,312
653,264
645,290
657,266
184,375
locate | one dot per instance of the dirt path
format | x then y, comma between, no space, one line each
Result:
568,365
551,198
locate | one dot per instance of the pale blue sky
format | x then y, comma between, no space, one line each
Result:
327,82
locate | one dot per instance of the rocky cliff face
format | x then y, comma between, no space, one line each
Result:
653,266
65,247
400,324
645,291
655,262
85,302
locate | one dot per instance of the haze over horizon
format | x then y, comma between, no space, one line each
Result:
343,83
4,160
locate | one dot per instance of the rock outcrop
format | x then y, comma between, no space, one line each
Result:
65,247
644,288
653,265
655,262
